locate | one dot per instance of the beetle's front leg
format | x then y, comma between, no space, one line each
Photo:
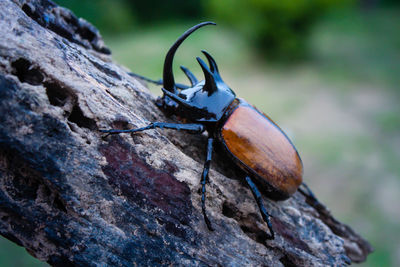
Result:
265,215
157,82
192,127
204,179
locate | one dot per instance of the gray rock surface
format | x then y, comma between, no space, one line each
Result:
72,197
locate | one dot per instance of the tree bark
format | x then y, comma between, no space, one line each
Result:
70,196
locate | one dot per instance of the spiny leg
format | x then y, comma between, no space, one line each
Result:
192,127
264,213
178,99
193,80
204,180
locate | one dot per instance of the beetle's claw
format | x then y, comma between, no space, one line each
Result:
270,236
208,223
107,133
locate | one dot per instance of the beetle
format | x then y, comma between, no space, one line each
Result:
248,137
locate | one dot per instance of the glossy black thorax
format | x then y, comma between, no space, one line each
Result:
206,107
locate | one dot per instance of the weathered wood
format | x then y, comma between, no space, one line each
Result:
70,196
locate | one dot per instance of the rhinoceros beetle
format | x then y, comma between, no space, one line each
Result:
248,137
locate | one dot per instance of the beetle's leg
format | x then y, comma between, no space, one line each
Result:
177,99
158,82
193,80
265,215
204,179
192,127
308,193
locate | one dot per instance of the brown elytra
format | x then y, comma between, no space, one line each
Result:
261,148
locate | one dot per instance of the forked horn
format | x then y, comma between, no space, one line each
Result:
211,62
211,73
168,75
210,84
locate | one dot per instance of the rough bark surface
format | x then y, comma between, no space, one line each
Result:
70,196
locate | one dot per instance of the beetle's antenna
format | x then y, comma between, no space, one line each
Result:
168,76
210,85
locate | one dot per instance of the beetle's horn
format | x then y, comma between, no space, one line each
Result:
168,76
211,62
211,73
190,75
210,85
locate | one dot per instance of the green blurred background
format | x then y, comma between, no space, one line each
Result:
326,71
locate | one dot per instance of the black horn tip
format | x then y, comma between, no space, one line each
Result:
192,78
168,77
211,61
209,23
210,86
203,65
206,53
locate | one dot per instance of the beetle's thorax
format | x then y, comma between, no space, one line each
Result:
206,106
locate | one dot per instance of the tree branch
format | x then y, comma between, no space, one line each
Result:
70,196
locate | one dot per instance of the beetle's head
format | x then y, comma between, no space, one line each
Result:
206,100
